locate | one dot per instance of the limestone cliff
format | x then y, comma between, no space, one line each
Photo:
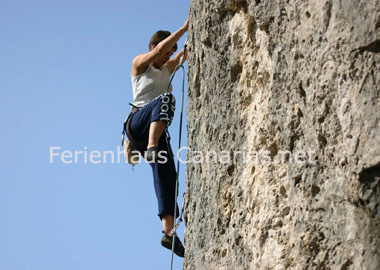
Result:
284,76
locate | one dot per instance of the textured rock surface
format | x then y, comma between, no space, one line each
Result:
284,75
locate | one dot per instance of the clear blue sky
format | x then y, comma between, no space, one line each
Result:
65,81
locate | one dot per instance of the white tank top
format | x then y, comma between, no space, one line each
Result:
150,84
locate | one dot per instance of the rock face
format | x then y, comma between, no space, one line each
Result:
282,76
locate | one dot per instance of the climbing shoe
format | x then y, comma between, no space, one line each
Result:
151,154
166,241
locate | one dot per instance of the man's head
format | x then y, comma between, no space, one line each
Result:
157,38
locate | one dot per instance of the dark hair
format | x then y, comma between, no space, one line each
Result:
158,37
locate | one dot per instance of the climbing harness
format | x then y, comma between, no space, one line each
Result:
130,153
127,131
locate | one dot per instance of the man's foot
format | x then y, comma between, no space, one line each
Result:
167,241
151,154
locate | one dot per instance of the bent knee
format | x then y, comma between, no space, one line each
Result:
167,107
168,98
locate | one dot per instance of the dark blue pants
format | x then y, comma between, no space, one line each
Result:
164,174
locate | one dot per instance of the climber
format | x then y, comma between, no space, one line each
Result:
152,112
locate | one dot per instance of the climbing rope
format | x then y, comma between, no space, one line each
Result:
177,176
179,146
